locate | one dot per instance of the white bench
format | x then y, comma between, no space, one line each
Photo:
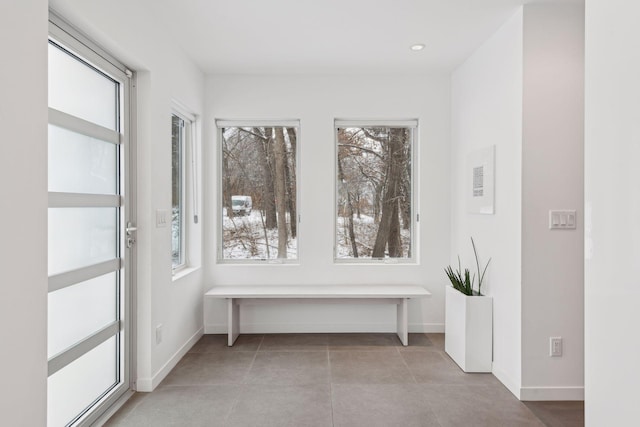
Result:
346,294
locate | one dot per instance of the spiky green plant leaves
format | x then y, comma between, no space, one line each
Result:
462,281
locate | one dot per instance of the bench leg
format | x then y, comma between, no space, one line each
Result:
233,321
403,322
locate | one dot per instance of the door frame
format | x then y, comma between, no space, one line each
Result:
76,42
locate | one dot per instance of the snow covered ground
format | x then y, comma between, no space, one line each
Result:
244,238
365,230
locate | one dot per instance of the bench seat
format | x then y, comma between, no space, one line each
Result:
346,294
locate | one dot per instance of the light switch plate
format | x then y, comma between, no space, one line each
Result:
562,219
162,218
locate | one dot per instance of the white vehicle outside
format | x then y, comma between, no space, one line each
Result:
241,205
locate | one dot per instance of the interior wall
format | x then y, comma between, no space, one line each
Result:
612,203
317,101
552,178
23,213
164,75
487,110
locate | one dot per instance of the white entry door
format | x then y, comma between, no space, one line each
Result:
90,233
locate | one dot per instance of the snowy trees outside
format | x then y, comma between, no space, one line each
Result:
260,163
374,193
177,190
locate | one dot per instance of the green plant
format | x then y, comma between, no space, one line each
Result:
462,281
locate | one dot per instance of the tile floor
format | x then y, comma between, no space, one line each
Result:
333,380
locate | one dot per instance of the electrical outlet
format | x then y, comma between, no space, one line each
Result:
555,346
158,334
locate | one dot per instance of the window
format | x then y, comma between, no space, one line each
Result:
374,190
258,191
180,135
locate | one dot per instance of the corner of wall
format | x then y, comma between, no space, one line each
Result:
487,111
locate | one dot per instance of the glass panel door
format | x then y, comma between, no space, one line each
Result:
89,286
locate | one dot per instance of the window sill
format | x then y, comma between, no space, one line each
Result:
370,262
183,272
259,262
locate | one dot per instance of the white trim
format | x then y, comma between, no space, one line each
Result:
551,393
149,384
81,126
185,113
301,328
244,123
506,380
220,259
184,139
111,410
356,123
415,202
66,37
77,43
70,278
82,200
81,348
183,273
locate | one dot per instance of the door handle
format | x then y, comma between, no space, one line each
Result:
129,230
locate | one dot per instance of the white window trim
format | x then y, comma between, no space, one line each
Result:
415,206
189,186
227,123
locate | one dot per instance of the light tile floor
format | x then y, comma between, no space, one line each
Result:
333,380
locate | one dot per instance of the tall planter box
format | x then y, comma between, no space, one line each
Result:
469,330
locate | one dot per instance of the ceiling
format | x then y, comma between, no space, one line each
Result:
328,36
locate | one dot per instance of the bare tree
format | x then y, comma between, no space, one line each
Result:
291,181
280,191
389,228
260,163
226,182
349,210
264,146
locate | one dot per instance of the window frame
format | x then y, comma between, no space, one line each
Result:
412,124
186,150
222,124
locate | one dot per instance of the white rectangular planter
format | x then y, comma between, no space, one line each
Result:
469,330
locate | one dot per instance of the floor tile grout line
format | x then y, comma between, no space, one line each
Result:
243,385
428,403
425,391
415,381
235,403
246,374
260,344
333,422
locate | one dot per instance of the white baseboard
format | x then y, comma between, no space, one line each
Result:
506,380
538,393
149,384
551,393
309,328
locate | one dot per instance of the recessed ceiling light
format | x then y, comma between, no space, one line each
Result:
417,47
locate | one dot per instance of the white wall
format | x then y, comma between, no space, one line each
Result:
23,213
522,91
552,178
164,74
612,202
487,110
316,101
